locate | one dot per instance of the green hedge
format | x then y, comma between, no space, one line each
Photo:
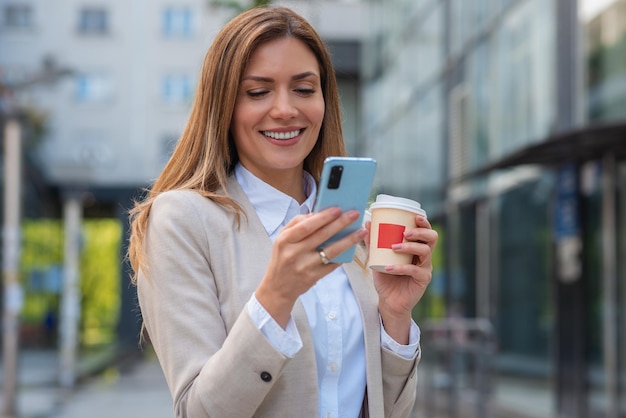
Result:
41,266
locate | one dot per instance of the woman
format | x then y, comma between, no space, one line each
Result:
246,316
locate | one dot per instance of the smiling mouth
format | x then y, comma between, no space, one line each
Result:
282,135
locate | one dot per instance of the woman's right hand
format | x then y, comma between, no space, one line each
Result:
295,264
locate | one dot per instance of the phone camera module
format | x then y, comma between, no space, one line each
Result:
335,177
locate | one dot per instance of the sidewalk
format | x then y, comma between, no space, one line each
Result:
136,388
139,391
508,398
37,388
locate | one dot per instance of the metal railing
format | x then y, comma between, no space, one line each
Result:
457,360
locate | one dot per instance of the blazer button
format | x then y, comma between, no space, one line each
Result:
266,377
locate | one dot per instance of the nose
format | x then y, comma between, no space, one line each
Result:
283,106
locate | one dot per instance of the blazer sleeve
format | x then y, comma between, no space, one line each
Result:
211,371
391,379
399,383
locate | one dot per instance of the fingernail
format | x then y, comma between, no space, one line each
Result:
396,246
335,211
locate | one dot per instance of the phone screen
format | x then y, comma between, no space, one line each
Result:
346,182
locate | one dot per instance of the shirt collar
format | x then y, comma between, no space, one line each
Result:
273,207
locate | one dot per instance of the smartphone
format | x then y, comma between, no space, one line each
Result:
346,182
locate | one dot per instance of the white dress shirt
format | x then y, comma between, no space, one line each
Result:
331,309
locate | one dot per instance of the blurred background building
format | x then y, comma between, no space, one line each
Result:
102,134
101,92
506,119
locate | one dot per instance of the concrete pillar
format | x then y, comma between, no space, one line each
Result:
609,285
70,297
11,254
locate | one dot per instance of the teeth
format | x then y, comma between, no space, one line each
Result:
282,135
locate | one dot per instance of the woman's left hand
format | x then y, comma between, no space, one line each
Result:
401,291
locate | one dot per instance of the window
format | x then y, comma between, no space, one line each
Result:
92,88
177,22
525,308
177,89
18,16
459,128
93,20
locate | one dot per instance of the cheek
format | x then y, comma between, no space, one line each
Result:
238,126
244,117
239,114
317,113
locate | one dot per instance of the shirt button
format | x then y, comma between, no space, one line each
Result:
332,315
329,415
333,367
266,377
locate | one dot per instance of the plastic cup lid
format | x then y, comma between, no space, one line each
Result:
394,202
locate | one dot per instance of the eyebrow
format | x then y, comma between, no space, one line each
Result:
269,80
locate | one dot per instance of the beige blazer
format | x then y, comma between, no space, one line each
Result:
201,273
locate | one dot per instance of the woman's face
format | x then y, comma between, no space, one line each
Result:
279,109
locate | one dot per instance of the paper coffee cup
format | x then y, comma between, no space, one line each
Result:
391,216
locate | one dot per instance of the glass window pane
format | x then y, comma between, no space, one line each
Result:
177,22
522,78
605,31
177,89
621,278
18,16
525,317
479,86
92,88
93,21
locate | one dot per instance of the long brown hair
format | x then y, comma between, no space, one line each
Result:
205,155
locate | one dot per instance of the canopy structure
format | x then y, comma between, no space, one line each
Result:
588,143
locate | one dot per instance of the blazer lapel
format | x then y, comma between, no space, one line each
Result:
363,288
307,354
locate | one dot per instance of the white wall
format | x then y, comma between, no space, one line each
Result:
119,141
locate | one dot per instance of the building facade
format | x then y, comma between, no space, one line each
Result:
504,118
126,76
134,68
507,120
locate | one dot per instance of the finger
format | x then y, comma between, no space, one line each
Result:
319,265
297,219
368,228
324,257
421,221
422,275
339,246
422,251
336,226
422,235
305,225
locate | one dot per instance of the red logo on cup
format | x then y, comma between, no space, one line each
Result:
389,234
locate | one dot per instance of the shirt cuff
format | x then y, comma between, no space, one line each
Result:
287,340
406,351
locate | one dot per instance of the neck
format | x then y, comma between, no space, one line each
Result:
287,181
290,184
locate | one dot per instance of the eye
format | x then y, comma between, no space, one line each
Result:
305,91
256,93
